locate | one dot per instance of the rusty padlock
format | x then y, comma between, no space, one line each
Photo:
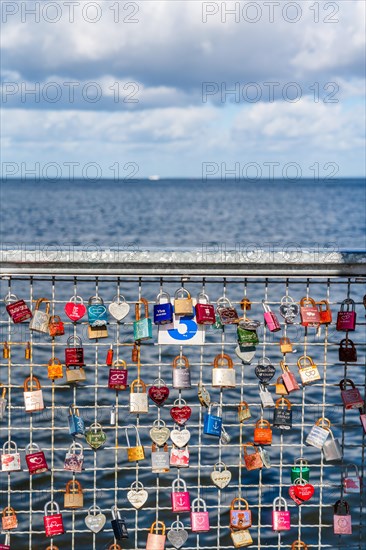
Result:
56,326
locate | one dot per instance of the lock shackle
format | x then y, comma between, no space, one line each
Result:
155,526
181,361
160,382
354,466
29,384
76,299
323,423
220,464
283,403
52,505
204,296
55,319
178,482
95,300
285,340
10,298
138,442
53,547
73,486
39,303
243,405
284,366
137,486
304,359
145,303
239,500
181,293
116,514
278,501
300,481
263,387
159,422
95,509
9,446
3,391
30,446
247,446
348,302
306,301
177,525
76,445
76,340
262,423
8,511
298,545
120,363
213,404
163,294
73,410
340,505
287,300
343,384
54,361
346,342
117,299
303,462
221,358
138,383
322,303
266,307
156,449
196,504
246,304
223,300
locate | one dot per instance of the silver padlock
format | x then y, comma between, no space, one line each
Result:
181,373
266,397
40,319
223,377
332,449
2,402
319,433
138,401
160,459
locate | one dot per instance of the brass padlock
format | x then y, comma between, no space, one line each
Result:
73,497
183,304
299,545
241,538
137,452
280,387
243,411
285,345
55,369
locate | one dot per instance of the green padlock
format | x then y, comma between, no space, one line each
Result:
95,436
247,337
301,471
142,328
217,324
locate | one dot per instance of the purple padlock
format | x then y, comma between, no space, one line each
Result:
270,319
181,500
346,318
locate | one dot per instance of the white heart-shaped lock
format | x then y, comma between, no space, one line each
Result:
180,438
223,478
96,521
119,309
137,495
246,355
159,435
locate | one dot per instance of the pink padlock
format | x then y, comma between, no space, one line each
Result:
270,318
281,519
346,319
200,521
53,522
352,481
351,398
36,461
181,501
342,521
6,545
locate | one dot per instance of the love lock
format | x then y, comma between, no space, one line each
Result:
180,414
289,309
180,437
245,353
177,535
159,435
221,478
137,495
265,371
119,308
95,436
96,521
158,392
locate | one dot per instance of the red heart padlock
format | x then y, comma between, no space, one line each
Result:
159,393
292,494
180,414
75,309
305,492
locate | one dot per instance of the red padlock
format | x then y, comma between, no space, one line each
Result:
53,522
56,326
36,461
205,313
346,319
117,379
74,356
309,313
17,309
324,312
352,398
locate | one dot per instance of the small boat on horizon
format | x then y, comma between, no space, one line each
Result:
154,178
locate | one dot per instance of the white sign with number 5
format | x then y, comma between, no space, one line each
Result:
183,331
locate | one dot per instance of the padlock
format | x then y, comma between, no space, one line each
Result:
97,332
325,313
119,308
117,378
289,309
319,433
9,519
299,545
351,398
346,319
280,387
223,377
6,545
74,458
288,378
240,518
212,424
56,326
33,399
352,482
247,337
285,345
181,373
266,459
309,313
300,472
10,459
6,351
253,460
281,519
73,497
342,520
177,535
138,400
17,309
109,358
97,312
226,312
265,396
163,312
53,522
76,423
142,328
74,375
160,459
308,371
28,351
332,449
262,432
181,500
179,457
74,355
40,319
118,524
282,414
241,538
270,318
95,520
55,369
36,461
205,312
75,309
155,541
200,521
137,452
3,401
183,304
347,351
243,411
95,436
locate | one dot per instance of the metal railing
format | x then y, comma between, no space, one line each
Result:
107,475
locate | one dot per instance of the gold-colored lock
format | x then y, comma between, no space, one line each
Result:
243,411
28,351
73,497
285,345
241,538
9,519
246,304
55,369
6,351
137,452
299,545
280,387
183,304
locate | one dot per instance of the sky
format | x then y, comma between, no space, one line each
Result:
183,88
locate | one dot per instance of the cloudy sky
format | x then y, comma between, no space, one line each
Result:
172,86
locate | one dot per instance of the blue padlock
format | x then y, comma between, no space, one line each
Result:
163,313
76,423
97,312
212,424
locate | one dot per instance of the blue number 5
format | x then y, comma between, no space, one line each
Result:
191,329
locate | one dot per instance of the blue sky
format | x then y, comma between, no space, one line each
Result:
116,83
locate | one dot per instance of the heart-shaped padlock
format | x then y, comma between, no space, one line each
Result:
137,495
245,353
96,521
221,478
303,490
159,392
159,435
265,371
177,535
119,308
179,437
289,310
95,436
203,395
180,414
75,308
292,494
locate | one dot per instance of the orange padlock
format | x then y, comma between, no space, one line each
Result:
263,432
